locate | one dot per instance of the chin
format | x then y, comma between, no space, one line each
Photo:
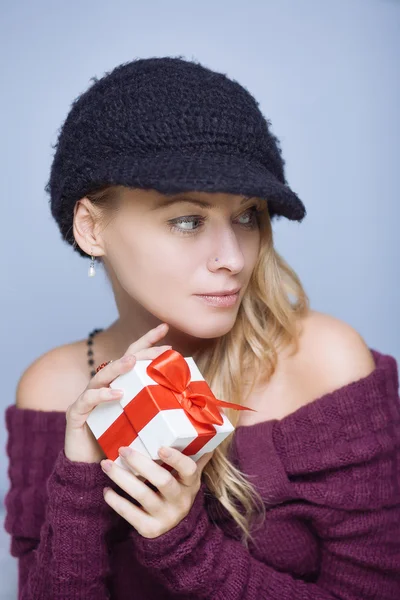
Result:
210,328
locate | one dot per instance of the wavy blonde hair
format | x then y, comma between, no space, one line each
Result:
266,322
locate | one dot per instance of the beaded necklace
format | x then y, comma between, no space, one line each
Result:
89,343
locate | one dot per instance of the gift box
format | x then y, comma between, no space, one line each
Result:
112,429
168,403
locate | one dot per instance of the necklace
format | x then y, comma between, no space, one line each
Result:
89,343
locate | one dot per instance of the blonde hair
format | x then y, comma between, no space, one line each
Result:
267,321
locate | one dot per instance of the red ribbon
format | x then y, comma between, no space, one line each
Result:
119,433
170,370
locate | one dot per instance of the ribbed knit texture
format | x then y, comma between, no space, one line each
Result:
329,475
172,125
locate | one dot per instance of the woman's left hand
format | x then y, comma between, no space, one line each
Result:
160,511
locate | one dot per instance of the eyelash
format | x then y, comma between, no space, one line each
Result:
187,219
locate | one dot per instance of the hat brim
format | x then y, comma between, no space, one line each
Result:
174,172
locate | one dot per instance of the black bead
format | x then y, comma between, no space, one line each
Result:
90,353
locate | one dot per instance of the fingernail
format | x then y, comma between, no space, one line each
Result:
106,465
125,451
165,451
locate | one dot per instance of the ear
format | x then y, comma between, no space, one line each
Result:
86,227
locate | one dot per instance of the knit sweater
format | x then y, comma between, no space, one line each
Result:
329,476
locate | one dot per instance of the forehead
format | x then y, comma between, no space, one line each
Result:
156,200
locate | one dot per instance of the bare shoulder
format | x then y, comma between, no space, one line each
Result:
55,379
333,354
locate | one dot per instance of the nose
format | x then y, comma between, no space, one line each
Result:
226,252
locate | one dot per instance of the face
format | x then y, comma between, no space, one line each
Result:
163,250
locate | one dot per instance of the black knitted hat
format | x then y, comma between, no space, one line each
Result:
172,125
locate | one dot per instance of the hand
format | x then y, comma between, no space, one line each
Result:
161,511
80,444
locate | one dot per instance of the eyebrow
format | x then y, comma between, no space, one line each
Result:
187,198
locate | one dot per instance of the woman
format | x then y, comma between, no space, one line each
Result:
168,174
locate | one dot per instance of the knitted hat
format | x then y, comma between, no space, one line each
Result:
171,125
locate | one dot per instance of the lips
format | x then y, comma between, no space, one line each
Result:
226,293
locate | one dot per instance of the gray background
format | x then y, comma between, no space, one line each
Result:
325,73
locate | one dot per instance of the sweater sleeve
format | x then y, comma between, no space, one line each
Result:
196,559
341,457
55,512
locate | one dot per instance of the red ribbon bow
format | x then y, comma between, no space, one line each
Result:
170,370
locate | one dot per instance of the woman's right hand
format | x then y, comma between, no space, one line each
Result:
80,444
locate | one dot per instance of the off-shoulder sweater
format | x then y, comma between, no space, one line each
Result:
328,473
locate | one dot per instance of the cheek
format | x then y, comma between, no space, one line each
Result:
251,250
145,256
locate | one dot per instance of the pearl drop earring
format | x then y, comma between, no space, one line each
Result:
92,270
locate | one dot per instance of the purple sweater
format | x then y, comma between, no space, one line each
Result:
329,474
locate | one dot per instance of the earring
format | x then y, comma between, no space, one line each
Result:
92,270
216,259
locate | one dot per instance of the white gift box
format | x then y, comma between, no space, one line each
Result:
112,429
157,413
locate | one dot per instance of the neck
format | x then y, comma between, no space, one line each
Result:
116,339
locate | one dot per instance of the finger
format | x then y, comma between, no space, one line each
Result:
124,364
134,515
108,373
98,391
118,367
161,478
150,501
189,471
147,340
89,400
185,466
151,353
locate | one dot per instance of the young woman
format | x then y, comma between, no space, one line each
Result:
168,174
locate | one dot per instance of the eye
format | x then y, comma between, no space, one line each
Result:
186,221
190,224
251,216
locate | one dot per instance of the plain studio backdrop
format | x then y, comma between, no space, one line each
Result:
325,73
